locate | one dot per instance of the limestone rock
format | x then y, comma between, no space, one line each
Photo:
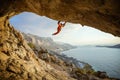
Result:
17,59
101,14
19,62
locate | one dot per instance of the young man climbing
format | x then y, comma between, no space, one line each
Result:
60,25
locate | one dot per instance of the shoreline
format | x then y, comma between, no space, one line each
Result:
74,68
82,65
90,65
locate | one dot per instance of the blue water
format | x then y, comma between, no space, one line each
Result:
101,58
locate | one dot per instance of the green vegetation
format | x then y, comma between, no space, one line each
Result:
31,45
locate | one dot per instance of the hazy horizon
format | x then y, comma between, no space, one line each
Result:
73,34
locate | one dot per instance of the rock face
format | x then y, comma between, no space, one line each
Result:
101,14
19,62
17,59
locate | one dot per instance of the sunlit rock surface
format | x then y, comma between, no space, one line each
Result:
19,62
17,59
101,14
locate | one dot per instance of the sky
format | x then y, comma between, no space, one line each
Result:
73,34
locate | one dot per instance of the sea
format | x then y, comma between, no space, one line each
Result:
100,58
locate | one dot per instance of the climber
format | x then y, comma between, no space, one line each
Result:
60,25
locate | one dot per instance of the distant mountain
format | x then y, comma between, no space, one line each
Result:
46,43
114,46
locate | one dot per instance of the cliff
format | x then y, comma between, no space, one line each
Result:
46,43
19,62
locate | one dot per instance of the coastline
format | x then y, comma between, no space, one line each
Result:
83,66
75,68
96,70
114,46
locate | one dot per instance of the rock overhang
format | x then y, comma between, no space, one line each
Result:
101,14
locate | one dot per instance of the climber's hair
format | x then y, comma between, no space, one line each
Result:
58,22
